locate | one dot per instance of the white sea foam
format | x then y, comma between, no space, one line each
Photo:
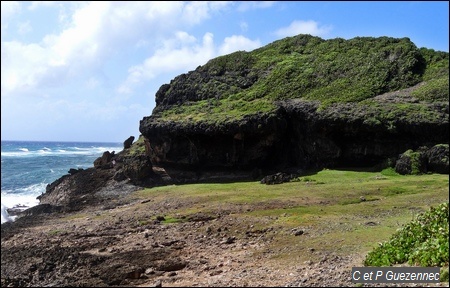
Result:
21,201
34,189
14,154
24,152
21,198
5,216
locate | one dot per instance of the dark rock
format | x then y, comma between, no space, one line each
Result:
229,240
215,273
16,210
72,187
127,143
138,168
73,171
170,265
438,159
40,209
412,162
136,274
277,178
120,176
297,135
104,162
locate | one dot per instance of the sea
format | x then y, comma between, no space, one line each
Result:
27,167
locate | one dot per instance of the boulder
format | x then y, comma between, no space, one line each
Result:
73,171
127,143
277,178
136,168
104,162
423,160
437,159
412,162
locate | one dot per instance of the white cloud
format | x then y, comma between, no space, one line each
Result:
64,75
36,4
24,27
92,83
303,27
57,56
236,43
244,26
95,30
251,5
21,65
180,53
65,8
8,10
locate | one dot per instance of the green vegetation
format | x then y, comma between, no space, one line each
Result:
434,89
390,171
137,148
415,161
444,274
424,242
330,212
56,232
171,220
233,86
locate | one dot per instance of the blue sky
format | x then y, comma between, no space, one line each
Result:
89,71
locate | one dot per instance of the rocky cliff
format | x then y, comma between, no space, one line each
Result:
297,104
300,103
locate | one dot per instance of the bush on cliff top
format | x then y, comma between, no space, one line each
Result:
306,67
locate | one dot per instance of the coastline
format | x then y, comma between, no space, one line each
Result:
29,166
184,235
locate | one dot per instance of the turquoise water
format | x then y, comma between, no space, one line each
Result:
27,167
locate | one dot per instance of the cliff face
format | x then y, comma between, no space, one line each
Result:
256,111
297,135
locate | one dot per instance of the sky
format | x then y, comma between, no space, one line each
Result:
89,71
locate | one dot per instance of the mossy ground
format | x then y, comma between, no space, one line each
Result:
340,211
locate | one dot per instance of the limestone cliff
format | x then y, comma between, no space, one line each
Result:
296,104
301,102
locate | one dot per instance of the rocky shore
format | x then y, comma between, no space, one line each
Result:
88,231
102,245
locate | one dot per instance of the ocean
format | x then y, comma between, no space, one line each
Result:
27,167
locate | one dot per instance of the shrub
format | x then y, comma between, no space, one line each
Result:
422,242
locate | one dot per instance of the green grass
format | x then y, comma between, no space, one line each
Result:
331,212
240,84
172,220
137,148
55,232
434,89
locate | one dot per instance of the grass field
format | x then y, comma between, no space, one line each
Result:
339,211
